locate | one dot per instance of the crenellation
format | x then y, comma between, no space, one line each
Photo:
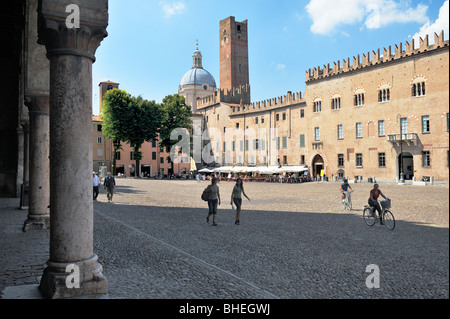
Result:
398,51
374,58
387,53
423,43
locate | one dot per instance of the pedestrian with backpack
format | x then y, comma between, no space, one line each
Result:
212,195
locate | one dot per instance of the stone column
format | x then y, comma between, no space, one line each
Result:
71,53
39,166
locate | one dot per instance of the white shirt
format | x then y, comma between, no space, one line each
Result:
96,180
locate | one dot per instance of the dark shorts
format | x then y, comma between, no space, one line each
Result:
237,202
212,205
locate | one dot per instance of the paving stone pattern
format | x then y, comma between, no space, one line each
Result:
295,241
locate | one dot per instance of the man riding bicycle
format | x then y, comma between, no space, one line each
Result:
373,199
344,188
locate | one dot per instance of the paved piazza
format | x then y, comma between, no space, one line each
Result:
295,241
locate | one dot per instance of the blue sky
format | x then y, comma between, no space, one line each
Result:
150,42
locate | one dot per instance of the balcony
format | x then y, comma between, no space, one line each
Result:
408,138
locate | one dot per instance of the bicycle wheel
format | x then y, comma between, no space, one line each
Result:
369,217
389,220
349,204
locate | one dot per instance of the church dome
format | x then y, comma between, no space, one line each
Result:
198,76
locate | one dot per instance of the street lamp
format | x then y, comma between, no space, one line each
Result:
402,175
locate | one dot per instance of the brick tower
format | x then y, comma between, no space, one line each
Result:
105,87
234,68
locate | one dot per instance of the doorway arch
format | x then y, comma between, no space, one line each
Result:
408,165
318,164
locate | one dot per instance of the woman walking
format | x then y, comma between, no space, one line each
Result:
236,198
213,200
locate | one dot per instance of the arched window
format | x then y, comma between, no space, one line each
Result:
317,105
359,97
384,93
336,101
418,86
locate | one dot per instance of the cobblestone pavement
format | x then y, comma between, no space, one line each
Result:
295,241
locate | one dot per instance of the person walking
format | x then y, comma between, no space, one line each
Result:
109,184
96,182
236,198
213,200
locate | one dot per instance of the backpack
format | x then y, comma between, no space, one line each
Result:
205,194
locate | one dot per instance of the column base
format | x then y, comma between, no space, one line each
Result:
37,222
56,283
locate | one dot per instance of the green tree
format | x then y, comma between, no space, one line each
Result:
175,114
115,111
128,119
143,126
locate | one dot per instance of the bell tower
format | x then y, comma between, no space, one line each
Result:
105,87
234,67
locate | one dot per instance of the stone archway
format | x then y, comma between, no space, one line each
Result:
408,165
318,164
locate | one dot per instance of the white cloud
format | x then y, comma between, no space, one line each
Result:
441,23
172,8
327,15
281,66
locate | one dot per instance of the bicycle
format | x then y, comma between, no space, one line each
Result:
370,215
347,202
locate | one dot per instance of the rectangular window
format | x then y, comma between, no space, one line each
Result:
117,156
284,142
448,122
277,117
256,144
302,113
154,156
381,160
284,116
359,160
426,159
99,140
154,143
404,127
99,128
302,160
246,145
359,130
131,156
317,134
262,120
100,153
381,128
340,129
233,146
302,141
426,124
278,143
241,146
237,125
161,160
285,161
340,160
256,120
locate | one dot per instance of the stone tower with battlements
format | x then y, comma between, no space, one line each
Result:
234,67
